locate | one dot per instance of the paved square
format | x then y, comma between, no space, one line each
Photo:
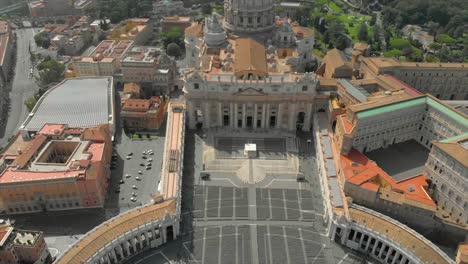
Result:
230,220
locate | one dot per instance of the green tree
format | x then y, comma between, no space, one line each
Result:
42,40
174,35
30,103
206,9
363,34
50,71
173,50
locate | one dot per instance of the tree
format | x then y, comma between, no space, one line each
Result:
363,34
174,35
104,25
30,103
42,40
50,71
173,50
206,9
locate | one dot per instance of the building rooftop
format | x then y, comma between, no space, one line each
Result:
361,171
26,238
5,232
138,105
456,147
142,54
131,88
77,102
4,39
195,30
80,154
250,58
399,233
103,234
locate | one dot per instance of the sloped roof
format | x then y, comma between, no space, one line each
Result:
250,57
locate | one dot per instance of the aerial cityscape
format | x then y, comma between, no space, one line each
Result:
233,131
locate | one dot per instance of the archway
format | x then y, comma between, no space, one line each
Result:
249,122
321,110
170,233
300,120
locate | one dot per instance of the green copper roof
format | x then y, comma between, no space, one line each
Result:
457,117
448,111
390,107
455,138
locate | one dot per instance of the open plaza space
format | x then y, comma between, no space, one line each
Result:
401,161
232,218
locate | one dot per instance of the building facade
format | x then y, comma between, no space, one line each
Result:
447,168
22,246
143,114
58,169
247,82
6,51
151,68
445,81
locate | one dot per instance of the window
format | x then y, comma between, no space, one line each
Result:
304,88
259,19
196,86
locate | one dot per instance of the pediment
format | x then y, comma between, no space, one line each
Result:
250,92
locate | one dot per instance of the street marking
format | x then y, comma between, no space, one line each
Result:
342,259
284,180
320,251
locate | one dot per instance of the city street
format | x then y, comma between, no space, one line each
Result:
22,87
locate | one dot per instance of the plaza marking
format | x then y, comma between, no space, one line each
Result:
284,180
320,251
153,254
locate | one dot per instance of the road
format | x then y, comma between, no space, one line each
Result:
22,87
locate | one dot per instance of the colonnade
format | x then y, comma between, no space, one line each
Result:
251,115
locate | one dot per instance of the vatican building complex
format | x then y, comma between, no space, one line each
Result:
252,149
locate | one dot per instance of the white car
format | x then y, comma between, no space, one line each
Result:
140,172
138,178
150,160
129,157
134,194
134,187
128,175
133,199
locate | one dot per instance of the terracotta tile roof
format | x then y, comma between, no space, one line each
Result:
131,88
30,150
97,134
139,105
99,237
195,30
361,171
401,234
333,60
18,143
5,231
52,129
250,57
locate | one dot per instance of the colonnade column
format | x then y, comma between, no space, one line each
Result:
220,115
207,114
292,116
255,116
308,117
236,109
231,115
243,116
267,116
264,116
191,115
279,116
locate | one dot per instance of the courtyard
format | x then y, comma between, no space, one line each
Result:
250,210
401,161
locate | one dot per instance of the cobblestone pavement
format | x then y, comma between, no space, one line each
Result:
226,220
